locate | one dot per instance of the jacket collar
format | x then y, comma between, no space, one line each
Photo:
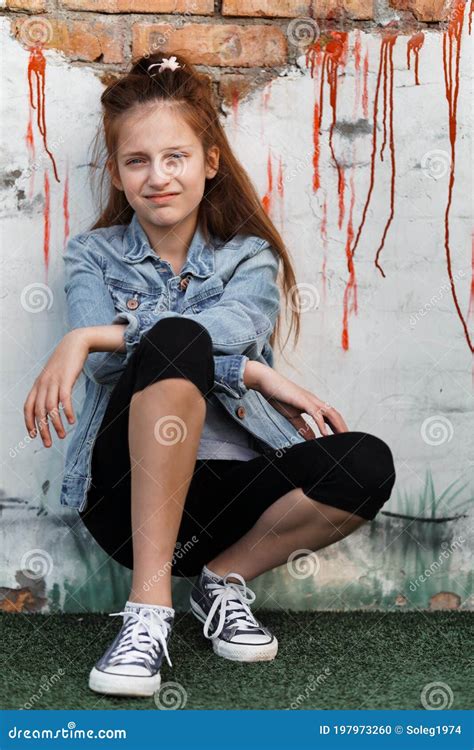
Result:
199,261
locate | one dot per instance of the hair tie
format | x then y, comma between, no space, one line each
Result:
170,63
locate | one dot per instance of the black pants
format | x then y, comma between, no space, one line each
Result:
353,471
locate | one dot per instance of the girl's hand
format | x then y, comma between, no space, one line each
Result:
292,400
54,385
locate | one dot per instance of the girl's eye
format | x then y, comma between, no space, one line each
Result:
131,161
172,156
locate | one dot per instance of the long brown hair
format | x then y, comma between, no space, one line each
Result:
233,205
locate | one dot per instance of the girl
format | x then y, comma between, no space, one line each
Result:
191,456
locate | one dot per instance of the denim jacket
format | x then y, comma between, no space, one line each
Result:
112,276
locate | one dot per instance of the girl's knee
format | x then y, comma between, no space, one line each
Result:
178,335
375,468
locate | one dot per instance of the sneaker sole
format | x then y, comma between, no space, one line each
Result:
117,684
235,652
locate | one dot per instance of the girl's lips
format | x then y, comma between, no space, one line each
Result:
162,198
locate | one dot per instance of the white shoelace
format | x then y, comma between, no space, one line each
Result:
137,645
233,600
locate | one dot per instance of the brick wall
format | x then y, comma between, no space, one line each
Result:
231,38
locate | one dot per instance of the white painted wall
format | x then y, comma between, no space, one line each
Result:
405,379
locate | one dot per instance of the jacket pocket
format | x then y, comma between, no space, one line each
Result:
205,297
131,297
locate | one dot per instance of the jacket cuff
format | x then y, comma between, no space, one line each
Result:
131,334
229,373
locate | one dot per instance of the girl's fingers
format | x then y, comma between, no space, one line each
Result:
42,418
332,417
65,397
336,422
318,418
52,401
29,412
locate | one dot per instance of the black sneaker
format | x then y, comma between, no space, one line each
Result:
131,665
222,605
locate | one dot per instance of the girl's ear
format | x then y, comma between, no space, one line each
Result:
114,175
212,162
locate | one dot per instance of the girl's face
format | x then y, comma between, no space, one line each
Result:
161,165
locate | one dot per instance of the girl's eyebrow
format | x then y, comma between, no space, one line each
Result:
168,148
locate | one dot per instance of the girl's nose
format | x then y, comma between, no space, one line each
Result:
162,171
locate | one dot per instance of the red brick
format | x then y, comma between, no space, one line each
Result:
79,40
356,10
214,44
235,87
324,9
269,8
34,6
191,7
424,10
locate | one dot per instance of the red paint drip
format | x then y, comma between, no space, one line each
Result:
386,58
37,70
46,221
280,186
350,292
384,119
451,57
316,147
388,71
30,145
235,105
414,45
267,198
365,92
470,16
357,65
334,56
66,207
267,94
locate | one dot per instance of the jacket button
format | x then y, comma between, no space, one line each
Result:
132,304
240,412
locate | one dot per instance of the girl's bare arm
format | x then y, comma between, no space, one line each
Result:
56,380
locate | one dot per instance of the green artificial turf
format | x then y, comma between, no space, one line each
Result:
326,660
